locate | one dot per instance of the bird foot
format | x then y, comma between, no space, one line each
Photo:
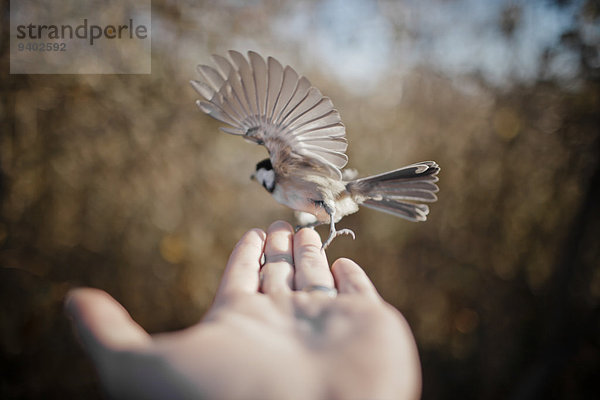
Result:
334,234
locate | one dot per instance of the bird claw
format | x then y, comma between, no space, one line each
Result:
334,234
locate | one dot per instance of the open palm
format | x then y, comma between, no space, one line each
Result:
266,336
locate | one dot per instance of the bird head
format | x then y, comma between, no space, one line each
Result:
265,175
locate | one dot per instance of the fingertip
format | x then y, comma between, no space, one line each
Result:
312,267
308,235
279,238
344,265
241,272
70,300
308,246
253,238
256,233
351,278
77,298
277,271
280,225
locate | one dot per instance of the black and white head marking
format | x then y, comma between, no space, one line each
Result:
265,175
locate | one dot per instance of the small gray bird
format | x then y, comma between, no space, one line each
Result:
273,106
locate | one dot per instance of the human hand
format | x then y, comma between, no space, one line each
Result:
265,336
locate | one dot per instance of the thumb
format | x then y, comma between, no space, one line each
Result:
102,323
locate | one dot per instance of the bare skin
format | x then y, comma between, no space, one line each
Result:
265,337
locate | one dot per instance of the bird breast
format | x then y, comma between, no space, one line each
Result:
306,193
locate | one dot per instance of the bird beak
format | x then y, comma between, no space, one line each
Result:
253,177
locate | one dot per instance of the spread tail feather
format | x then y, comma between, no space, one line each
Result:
409,211
392,192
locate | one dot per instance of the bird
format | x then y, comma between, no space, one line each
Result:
271,105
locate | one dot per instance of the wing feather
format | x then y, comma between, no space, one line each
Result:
300,93
246,80
231,90
259,67
335,145
275,80
224,66
211,76
332,117
216,112
272,105
230,106
334,157
312,98
222,106
203,89
333,131
318,111
235,92
290,80
233,131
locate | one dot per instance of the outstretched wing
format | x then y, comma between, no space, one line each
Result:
273,106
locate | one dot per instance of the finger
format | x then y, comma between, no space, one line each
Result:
277,274
102,323
241,273
311,263
351,279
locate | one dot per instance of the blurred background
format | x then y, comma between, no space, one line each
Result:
120,183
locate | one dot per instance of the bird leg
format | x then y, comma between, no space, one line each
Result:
332,232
